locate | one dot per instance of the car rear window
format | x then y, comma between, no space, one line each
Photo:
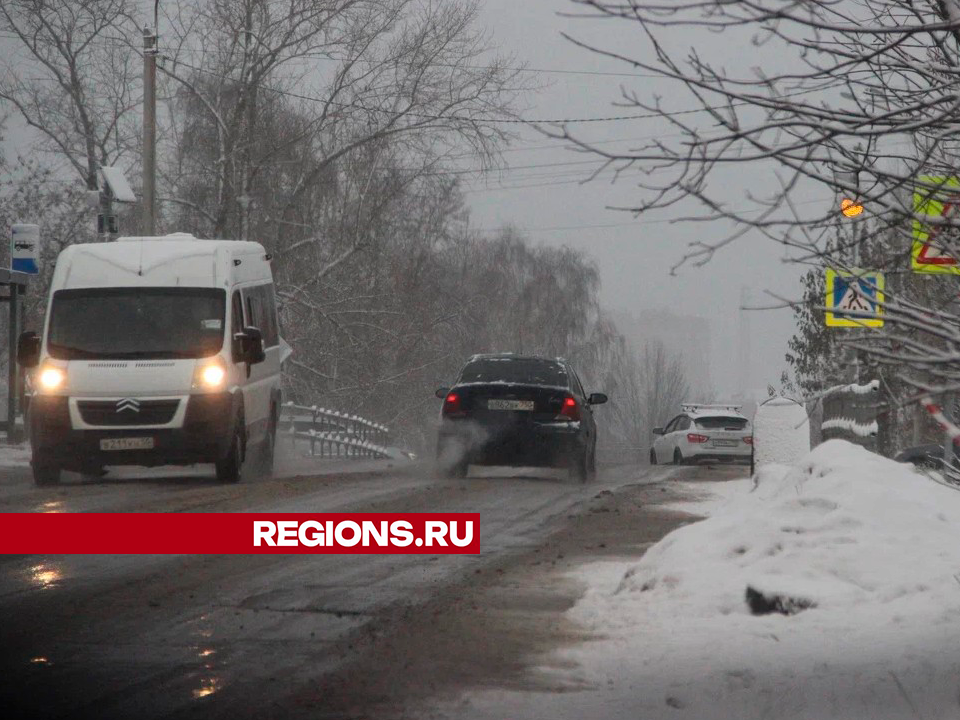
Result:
722,423
515,370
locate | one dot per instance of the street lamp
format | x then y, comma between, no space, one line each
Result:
850,208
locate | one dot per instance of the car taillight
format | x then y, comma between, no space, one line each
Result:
570,410
748,439
695,438
451,406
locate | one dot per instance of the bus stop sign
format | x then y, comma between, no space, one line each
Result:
25,249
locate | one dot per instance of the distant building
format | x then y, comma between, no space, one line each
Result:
687,336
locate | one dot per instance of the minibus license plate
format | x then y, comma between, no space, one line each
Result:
510,405
130,443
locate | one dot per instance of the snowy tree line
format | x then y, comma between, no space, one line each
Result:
329,132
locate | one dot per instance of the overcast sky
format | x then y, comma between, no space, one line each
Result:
634,255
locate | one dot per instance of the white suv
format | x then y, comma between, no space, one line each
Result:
717,433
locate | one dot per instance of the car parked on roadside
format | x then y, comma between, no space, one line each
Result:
716,433
518,411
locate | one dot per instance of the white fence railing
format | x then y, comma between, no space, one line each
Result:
331,433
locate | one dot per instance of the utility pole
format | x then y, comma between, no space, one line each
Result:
149,130
106,211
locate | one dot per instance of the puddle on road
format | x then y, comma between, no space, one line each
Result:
210,680
208,686
45,575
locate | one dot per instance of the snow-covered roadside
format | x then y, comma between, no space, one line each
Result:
862,549
706,499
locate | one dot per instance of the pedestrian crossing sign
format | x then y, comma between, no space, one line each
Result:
854,298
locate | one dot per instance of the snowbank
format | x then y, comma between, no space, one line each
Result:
781,431
847,529
857,561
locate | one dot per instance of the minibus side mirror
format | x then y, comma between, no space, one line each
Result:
658,431
596,399
442,392
28,349
251,345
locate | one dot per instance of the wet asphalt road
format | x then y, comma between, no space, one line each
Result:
231,636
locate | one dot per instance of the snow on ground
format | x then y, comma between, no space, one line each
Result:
863,550
706,499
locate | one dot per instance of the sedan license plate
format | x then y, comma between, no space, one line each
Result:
724,443
129,443
510,405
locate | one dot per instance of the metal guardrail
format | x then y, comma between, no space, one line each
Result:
332,433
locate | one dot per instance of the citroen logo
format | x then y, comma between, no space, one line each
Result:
131,404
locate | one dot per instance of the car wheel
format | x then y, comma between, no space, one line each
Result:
580,468
453,471
653,457
229,467
458,471
45,474
677,457
451,459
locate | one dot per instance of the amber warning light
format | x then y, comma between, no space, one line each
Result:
849,208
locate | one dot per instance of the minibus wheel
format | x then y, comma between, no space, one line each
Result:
46,474
230,466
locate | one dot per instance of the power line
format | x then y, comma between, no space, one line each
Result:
519,121
327,58
639,223
427,116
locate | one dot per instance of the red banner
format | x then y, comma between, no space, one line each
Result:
239,533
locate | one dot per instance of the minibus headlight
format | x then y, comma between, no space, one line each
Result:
51,378
210,375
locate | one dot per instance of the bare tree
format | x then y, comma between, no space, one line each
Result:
77,83
857,96
355,72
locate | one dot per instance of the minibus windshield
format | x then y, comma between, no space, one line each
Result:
141,322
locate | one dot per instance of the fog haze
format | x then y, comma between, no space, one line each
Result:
554,206
635,256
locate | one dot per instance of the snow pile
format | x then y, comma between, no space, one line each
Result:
781,431
847,530
827,589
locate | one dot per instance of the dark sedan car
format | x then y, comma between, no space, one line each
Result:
519,411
